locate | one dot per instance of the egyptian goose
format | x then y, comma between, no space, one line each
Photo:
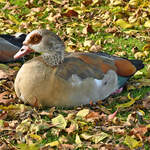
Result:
9,45
58,79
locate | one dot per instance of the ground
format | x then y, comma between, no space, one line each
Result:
122,122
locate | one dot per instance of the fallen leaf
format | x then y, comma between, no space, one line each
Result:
57,1
59,122
3,146
72,128
146,47
3,115
90,29
35,137
92,116
128,104
139,132
27,147
99,137
131,119
4,98
78,140
147,24
86,136
111,30
146,102
67,146
71,13
82,113
131,142
87,2
53,144
123,24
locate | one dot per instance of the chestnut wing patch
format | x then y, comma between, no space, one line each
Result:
74,65
124,67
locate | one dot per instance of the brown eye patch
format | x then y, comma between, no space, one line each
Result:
35,39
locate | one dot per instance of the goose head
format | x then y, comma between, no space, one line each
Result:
42,41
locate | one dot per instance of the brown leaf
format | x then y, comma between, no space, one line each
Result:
96,48
131,119
38,9
92,116
90,29
3,74
87,2
71,13
71,128
3,115
146,102
117,129
3,146
67,146
111,30
4,98
139,132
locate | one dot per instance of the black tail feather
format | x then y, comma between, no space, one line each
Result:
137,63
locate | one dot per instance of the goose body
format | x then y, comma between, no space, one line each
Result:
58,79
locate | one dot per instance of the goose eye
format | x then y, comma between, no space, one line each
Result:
36,38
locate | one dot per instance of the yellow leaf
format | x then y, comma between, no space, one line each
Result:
1,123
147,24
115,2
99,137
35,137
2,1
78,140
134,2
128,104
12,18
131,142
52,144
59,122
123,24
4,67
82,113
86,136
148,126
27,147
141,112
146,47
148,71
57,1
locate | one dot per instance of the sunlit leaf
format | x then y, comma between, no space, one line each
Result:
12,18
28,147
59,121
53,144
131,142
86,136
78,140
146,47
36,137
128,104
82,113
123,24
99,137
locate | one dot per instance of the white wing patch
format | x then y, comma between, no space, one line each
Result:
93,89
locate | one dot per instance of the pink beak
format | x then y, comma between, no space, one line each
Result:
22,52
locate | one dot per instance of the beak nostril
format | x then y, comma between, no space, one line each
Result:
22,50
